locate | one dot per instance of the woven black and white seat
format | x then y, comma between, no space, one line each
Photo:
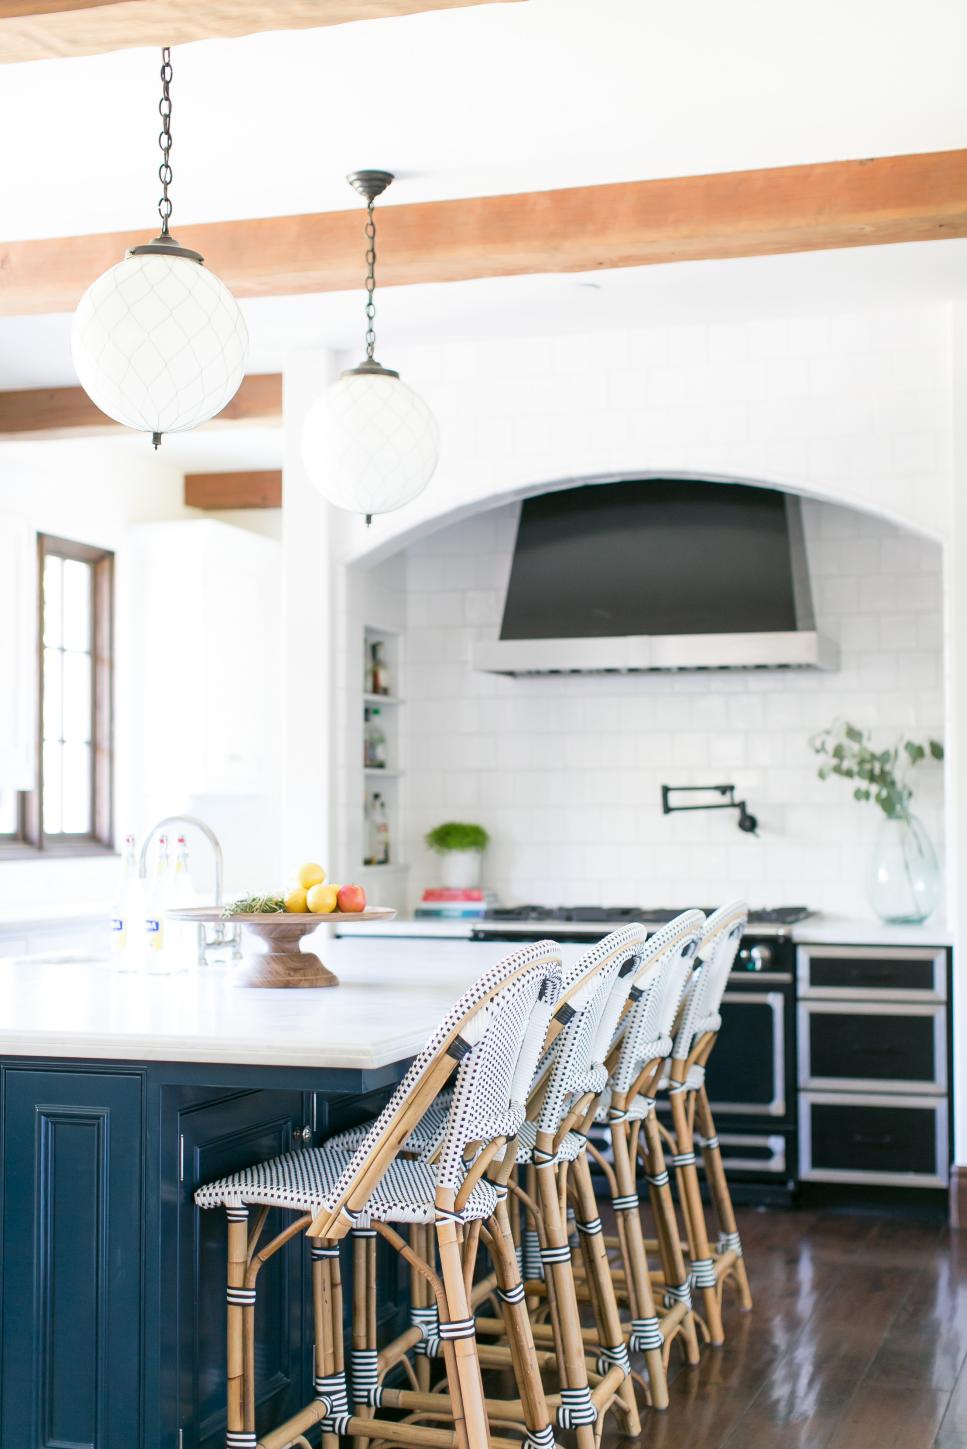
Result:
489,1043
696,1029
303,1182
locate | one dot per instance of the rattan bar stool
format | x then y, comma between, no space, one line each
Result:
591,1364
491,1040
639,1047
696,1032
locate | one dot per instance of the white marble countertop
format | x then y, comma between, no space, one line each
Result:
391,996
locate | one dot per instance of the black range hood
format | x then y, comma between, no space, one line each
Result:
656,574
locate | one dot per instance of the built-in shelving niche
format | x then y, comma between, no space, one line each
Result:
385,884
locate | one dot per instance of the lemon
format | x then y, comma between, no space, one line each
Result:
321,899
309,875
295,899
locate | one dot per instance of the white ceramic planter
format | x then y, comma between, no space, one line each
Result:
460,869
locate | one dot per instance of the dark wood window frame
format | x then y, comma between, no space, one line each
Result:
30,839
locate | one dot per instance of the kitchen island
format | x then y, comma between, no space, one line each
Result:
120,1095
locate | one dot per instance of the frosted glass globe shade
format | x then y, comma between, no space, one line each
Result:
159,343
370,443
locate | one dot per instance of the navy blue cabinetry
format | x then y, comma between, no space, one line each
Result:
71,1260
112,1325
217,1137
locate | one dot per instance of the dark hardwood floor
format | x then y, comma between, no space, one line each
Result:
858,1340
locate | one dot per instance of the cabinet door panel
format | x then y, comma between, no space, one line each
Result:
72,1240
219,1138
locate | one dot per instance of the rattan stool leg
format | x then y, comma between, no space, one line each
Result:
646,1332
722,1198
510,1291
701,1268
677,1287
608,1320
577,1409
466,1364
239,1430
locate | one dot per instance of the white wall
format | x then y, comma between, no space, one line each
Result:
565,772
94,492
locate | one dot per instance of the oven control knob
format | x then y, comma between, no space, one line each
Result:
756,958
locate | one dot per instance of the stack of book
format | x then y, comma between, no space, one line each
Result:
445,903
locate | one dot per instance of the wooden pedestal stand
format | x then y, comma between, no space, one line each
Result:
271,954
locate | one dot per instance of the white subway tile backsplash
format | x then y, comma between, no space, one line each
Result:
566,772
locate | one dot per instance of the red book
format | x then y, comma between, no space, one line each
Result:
450,893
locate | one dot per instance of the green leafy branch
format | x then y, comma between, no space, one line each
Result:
846,751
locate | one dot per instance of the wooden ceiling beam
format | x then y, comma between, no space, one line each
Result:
234,490
581,229
67,412
46,29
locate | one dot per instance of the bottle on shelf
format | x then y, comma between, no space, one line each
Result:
126,938
377,832
180,936
374,742
156,957
368,669
381,682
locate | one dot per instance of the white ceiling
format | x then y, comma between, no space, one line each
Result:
493,99
484,100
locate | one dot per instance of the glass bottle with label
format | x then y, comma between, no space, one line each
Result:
181,936
156,960
126,938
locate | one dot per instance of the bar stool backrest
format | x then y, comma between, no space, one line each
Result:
490,1023
699,1015
645,1034
596,988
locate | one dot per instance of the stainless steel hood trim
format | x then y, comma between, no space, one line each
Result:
644,653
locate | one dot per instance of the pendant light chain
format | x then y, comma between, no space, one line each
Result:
370,281
164,140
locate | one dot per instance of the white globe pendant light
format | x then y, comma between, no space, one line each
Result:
369,442
158,342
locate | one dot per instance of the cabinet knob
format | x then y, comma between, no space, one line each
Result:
305,1136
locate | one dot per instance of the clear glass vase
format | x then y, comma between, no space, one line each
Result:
903,877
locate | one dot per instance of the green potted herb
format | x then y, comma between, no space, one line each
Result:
903,878
460,848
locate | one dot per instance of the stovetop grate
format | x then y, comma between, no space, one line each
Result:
761,916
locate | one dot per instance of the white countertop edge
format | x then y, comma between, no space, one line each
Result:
216,1051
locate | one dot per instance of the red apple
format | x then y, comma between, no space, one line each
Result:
351,898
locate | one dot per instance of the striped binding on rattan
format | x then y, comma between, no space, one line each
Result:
608,1357
682,1159
702,1273
316,1252
514,1294
712,1143
532,1266
658,1179
674,1087
458,1328
544,1159
240,1439
363,1232
625,1204
645,1334
730,1243
332,1388
501,1189
540,1438
589,1228
427,1320
576,1407
364,1377
677,1293
616,1114
556,1255
237,1214
240,1297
